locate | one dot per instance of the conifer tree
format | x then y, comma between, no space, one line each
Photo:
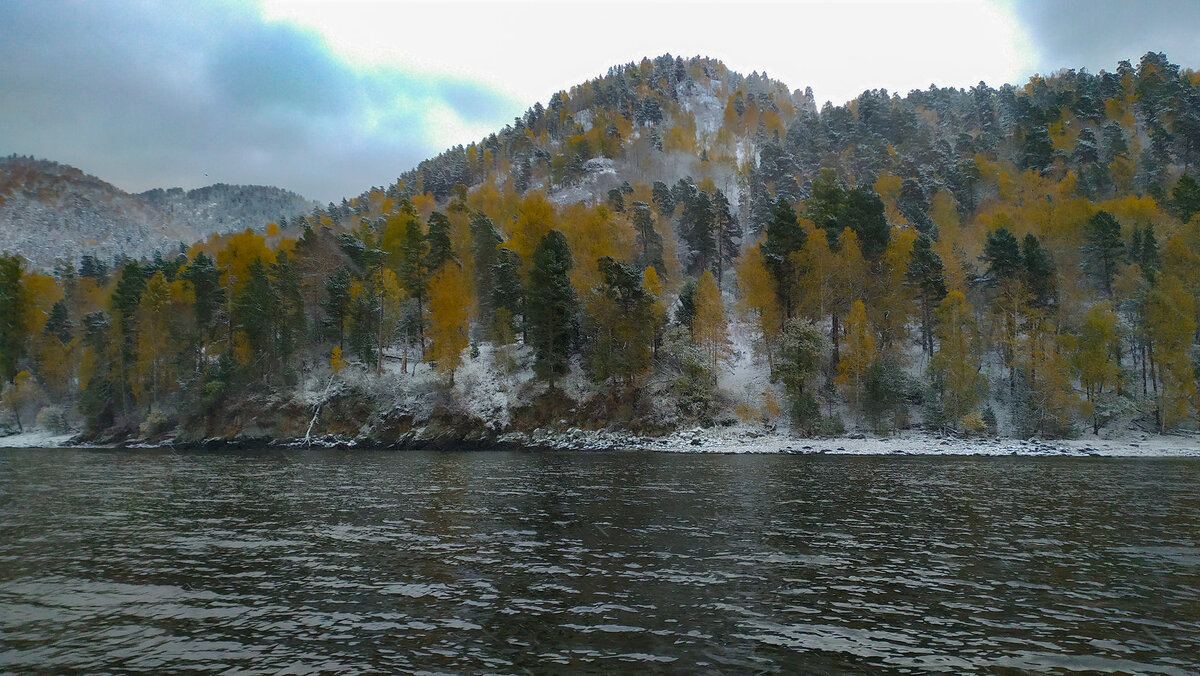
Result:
1104,248
799,361
649,243
925,276
1186,197
696,227
1037,272
863,213
337,303
551,307
11,313
824,206
205,279
784,238
623,314
438,238
727,232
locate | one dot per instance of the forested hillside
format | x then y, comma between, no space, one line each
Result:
676,244
51,212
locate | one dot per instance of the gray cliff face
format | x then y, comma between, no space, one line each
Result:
51,211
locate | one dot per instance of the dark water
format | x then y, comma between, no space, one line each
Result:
619,562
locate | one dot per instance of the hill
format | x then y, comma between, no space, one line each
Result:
50,211
675,245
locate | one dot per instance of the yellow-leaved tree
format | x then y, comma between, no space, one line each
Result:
710,328
955,365
653,286
154,352
1096,358
448,317
858,352
758,301
1171,323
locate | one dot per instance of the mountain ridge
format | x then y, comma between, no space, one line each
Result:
51,212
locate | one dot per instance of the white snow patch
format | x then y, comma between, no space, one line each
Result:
36,439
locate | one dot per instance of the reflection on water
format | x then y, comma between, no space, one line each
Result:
512,562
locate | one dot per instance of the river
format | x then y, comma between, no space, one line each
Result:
362,561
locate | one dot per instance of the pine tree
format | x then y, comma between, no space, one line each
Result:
727,232
1104,248
649,243
1002,254
863,213
696,227
59,322
784,238
1037,272
1186,197
825,205
799,361
485,243
337,303
11,313
625,323
925,276
438,238
205,279
552,308
664,201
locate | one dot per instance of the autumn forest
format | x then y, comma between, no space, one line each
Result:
676,244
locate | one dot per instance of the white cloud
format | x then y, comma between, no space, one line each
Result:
531,50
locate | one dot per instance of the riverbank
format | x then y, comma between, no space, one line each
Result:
730,440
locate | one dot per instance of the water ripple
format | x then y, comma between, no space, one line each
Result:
333,562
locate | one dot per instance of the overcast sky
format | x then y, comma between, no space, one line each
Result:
330,98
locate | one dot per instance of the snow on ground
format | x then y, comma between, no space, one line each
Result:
35,439
753,439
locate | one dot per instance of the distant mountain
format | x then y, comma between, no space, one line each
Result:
51,211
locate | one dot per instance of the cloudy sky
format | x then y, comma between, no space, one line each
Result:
329,98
